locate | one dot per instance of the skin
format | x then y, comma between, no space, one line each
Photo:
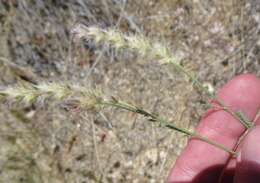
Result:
204,163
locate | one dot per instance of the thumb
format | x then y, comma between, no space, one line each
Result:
248,162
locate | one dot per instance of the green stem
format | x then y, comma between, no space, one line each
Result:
192,78
220,146
200,137
246,124
196,82
164,123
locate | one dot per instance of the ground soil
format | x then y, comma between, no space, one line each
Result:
45,143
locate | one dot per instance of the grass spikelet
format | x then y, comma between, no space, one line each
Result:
21,93
116,39
83,98
58,91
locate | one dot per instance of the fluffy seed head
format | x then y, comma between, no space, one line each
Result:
136,43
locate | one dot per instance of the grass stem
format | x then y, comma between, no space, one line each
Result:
165,123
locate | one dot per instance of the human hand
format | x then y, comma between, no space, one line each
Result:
203,163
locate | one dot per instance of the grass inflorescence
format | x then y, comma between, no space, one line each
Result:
69,93
138,43
150,50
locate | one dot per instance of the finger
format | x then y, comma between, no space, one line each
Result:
241,93
232,162
248,164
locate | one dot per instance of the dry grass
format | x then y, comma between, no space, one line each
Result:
216,39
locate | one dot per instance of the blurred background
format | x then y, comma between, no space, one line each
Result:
48,144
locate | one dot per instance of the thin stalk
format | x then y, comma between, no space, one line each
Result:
247,124
164,123
196,82
192,78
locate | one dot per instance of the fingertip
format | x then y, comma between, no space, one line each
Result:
248,163
251,146
242,94
242,80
